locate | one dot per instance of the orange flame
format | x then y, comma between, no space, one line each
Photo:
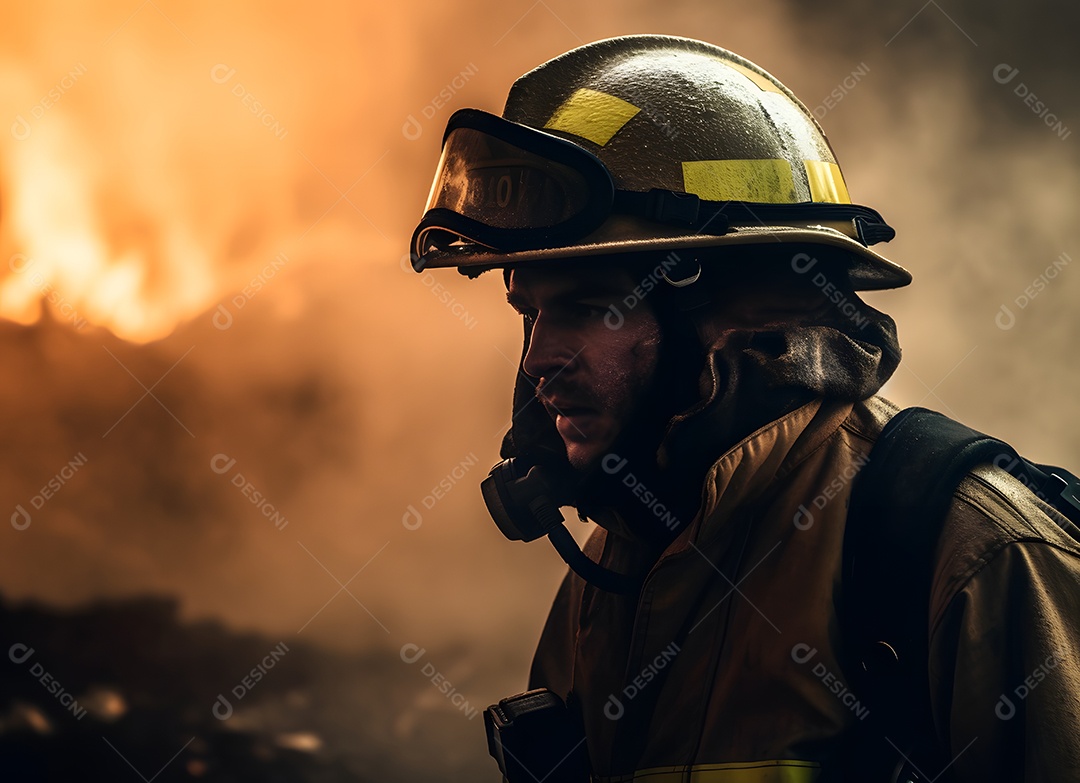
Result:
62,260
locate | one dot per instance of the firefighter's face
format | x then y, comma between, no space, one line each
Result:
593,366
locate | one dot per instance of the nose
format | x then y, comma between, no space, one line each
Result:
549,352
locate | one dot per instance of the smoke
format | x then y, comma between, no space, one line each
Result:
956,120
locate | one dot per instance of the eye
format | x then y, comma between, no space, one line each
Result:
584,310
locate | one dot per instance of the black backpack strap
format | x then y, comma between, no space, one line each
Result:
898,505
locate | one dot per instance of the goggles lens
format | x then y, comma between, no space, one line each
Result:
510,187
504,186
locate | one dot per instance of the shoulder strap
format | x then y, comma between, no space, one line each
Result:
899,502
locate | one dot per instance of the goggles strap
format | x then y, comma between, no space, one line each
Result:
716,217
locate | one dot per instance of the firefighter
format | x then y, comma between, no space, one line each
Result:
699,377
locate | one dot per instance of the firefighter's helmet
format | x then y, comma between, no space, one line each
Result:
643,143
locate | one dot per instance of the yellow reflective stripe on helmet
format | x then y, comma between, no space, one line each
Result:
592,115
762,181
826,182
761,81
774,771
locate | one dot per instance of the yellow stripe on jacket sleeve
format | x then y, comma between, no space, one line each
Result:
772,771
592,115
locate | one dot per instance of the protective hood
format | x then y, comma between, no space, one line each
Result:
761,351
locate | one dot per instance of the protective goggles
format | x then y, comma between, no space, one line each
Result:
509,187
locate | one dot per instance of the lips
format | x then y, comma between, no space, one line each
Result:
574,422
562,406
577,427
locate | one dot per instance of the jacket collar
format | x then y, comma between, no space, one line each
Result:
743,475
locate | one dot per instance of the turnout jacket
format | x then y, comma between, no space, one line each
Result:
728,667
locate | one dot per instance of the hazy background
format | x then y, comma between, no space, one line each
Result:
215,204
